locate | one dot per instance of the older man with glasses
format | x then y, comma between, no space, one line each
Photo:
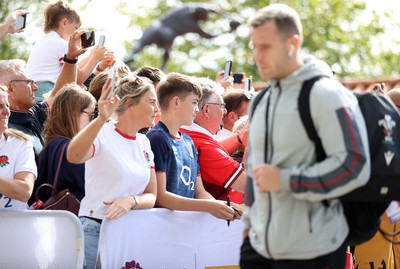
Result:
222,175
27,115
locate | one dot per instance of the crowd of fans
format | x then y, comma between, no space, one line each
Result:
167,139
62,101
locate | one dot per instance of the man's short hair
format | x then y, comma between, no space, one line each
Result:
209,87
176,84
11,69
287,20
234,98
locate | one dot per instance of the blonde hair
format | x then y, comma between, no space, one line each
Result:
131,89
18,134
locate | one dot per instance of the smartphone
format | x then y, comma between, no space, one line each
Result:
21,22
247,84
102,39
87,39
228,68
112,75
238,77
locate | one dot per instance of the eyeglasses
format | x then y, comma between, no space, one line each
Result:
27,81
222,106
92,115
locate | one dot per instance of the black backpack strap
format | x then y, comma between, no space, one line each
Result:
258,98
305,115
248,195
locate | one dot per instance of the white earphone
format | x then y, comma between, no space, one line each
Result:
291,50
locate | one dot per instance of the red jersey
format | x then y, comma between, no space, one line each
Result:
218,169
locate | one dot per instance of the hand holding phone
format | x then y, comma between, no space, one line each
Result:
102,39
228,68
87,39
21,22
238,78
247,84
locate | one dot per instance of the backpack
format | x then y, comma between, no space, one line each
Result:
364,206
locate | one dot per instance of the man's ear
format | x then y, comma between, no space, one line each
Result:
204,110
294,44
10,89
291,50
233,116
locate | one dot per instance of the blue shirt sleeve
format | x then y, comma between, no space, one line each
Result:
161,149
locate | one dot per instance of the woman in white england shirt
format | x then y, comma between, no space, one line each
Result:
17,162
119,166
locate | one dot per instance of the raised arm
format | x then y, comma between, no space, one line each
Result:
235,141
86,67
80,148
68,72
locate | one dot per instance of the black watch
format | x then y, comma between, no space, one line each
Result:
69,60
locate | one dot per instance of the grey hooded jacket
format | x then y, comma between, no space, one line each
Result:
293,223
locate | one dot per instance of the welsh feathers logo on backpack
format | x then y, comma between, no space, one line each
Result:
383,127
364,206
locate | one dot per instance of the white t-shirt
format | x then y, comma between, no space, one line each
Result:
223,133
46,58
120,166
16,155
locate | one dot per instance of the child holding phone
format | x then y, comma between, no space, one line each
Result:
46,58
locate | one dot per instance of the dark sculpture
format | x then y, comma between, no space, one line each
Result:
180,21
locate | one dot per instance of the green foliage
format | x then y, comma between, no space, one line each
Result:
340,32
18,45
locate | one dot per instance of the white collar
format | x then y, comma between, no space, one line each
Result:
197,128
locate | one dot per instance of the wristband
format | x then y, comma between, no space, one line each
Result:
66,60
99,69
136,203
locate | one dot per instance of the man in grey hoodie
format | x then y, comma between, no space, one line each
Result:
287,223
